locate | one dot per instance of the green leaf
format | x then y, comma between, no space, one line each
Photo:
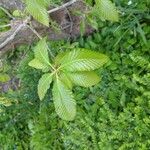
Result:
106,10
38,11
64,102
17,13
82,27
35,63
142,33
44,84
41,51
4,77
66,80
85,79
41,60
82,60
59,57
92,22
6,102
44,3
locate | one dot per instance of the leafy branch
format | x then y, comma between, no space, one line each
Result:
103,9
69,68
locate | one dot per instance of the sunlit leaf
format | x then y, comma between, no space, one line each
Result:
106,10
64,102
38,11
4,77
41,60
44,85
82,60
35,63
85,79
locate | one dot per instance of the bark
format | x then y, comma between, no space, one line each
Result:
12,4
69,26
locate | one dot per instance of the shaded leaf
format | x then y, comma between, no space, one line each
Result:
82,27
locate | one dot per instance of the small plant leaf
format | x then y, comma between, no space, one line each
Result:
17,13
64,102
41,60
82,60
84,79
41,51
44,84
38,11
35,63
92,22
7,102
4,77
106,10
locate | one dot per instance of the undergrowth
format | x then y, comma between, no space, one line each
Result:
113,115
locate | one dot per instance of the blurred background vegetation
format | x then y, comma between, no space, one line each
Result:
113,115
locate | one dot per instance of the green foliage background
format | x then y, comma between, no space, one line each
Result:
113,115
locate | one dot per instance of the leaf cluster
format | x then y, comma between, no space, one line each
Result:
69,68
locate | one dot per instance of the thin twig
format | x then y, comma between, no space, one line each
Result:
34,31
70,18
62,6
6,25
39,36
6,12
26,21
14,34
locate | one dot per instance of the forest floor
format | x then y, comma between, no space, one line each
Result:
111,115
